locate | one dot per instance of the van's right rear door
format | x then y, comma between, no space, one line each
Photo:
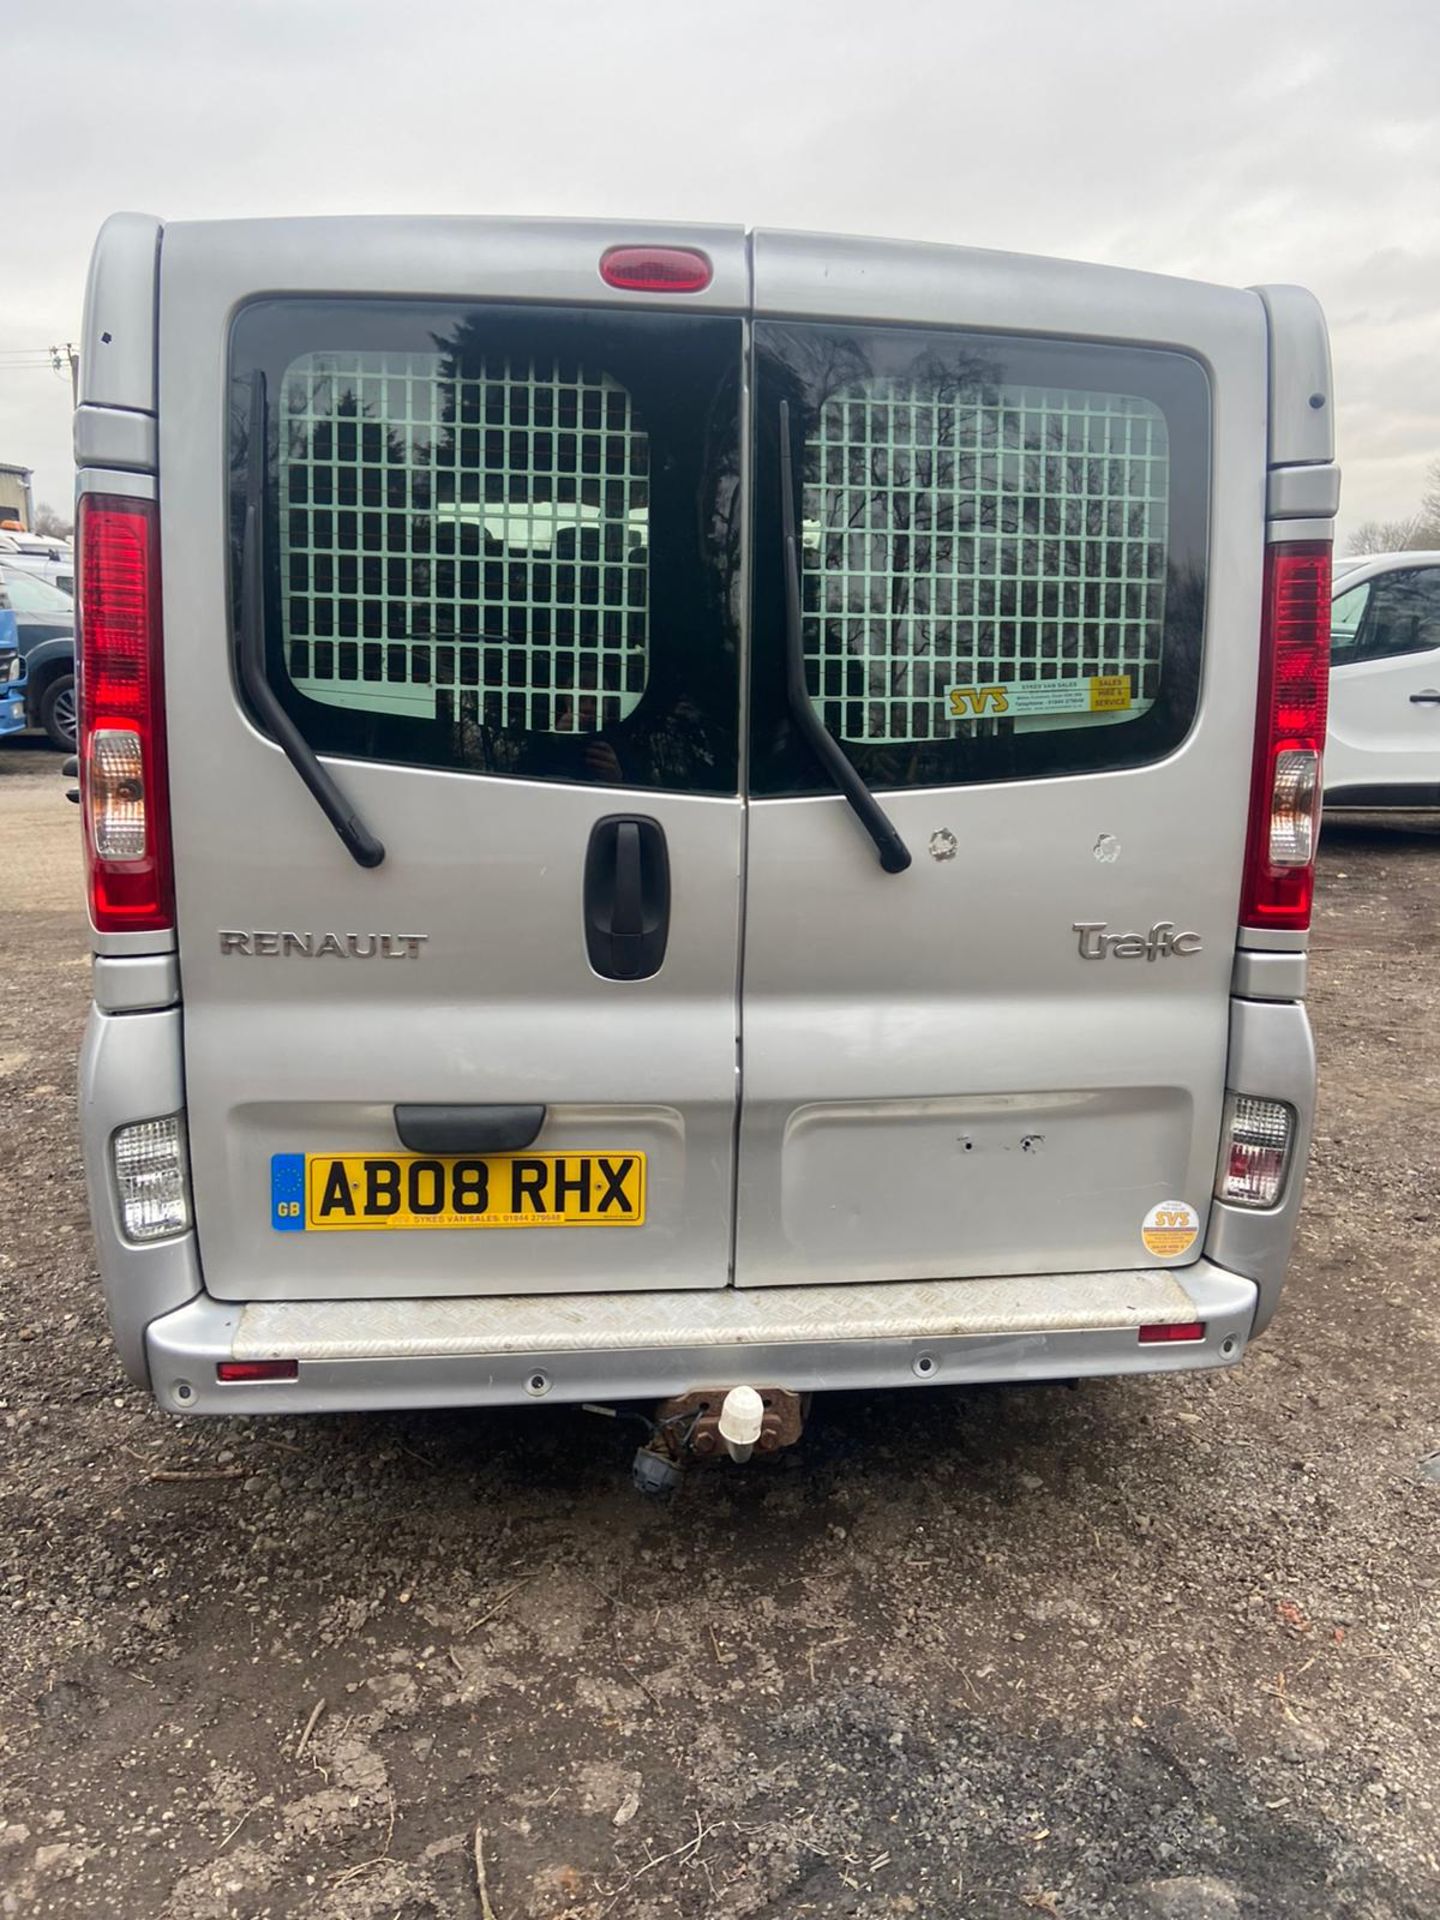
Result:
1029,499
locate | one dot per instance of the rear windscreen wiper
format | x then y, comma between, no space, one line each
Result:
893,852
362,846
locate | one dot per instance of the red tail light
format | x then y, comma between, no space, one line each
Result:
123,785
656,269
1289,736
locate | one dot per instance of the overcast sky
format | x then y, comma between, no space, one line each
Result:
1234,140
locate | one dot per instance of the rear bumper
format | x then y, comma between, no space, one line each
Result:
358,1355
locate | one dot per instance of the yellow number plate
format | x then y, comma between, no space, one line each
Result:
320,1192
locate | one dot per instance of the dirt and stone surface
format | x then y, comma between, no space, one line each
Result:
1159,1651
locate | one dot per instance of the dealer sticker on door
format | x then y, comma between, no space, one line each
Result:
1092,693
329,1192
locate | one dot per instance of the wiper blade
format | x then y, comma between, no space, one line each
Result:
362,846
893,852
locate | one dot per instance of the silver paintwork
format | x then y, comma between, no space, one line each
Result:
1319,529
130,1069
1299,434
129,486
1302,493
117,343
135,983
787,1351
115,437
1271,1054
1273,939
1269,976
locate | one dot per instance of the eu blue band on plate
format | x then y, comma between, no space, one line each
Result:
287,1192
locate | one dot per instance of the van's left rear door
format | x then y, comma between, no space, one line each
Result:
501,527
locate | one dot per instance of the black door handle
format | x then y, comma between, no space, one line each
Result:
627,897
467,1129
1429,698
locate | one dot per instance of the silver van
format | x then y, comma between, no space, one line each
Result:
681,809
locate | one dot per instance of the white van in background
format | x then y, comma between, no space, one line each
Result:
1384,746
39,554
681,809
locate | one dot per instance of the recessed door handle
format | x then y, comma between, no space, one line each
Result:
627,897
1429,697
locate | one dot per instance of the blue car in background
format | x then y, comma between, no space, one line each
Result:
44,615
12,671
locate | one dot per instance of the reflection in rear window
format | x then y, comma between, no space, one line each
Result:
977,550
464,545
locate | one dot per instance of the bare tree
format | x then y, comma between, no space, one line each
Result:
53,525
1389,536
1419,530
1430,503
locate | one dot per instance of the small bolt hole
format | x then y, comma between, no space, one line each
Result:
105,339
1317,401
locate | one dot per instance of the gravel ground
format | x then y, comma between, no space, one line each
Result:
1144,1649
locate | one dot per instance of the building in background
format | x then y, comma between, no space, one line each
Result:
17,500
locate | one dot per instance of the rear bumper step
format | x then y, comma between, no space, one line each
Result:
370,1354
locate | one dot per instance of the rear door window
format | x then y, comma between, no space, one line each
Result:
501,540
1003,553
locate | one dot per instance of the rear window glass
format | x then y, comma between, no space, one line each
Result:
470,563
1002,553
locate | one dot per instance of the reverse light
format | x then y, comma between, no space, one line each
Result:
656,269
150,1179
122,727
1290,715
240,1371
1171,1332
116,792
1255,1152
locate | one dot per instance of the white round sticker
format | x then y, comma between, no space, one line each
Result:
1170,1229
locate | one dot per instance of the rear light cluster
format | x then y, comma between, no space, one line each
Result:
1289,736
1255,1151
150,1180
122,728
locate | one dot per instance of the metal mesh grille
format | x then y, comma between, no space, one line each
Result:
464,546
962,535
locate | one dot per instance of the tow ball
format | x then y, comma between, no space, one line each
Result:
714,1421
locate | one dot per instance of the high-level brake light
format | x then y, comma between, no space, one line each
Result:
656,269
122,719
1289,736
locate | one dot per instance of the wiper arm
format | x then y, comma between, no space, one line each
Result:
893,852
362,846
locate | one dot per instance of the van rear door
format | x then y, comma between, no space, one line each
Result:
1030,523
499,515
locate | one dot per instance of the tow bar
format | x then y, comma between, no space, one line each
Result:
708,1424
